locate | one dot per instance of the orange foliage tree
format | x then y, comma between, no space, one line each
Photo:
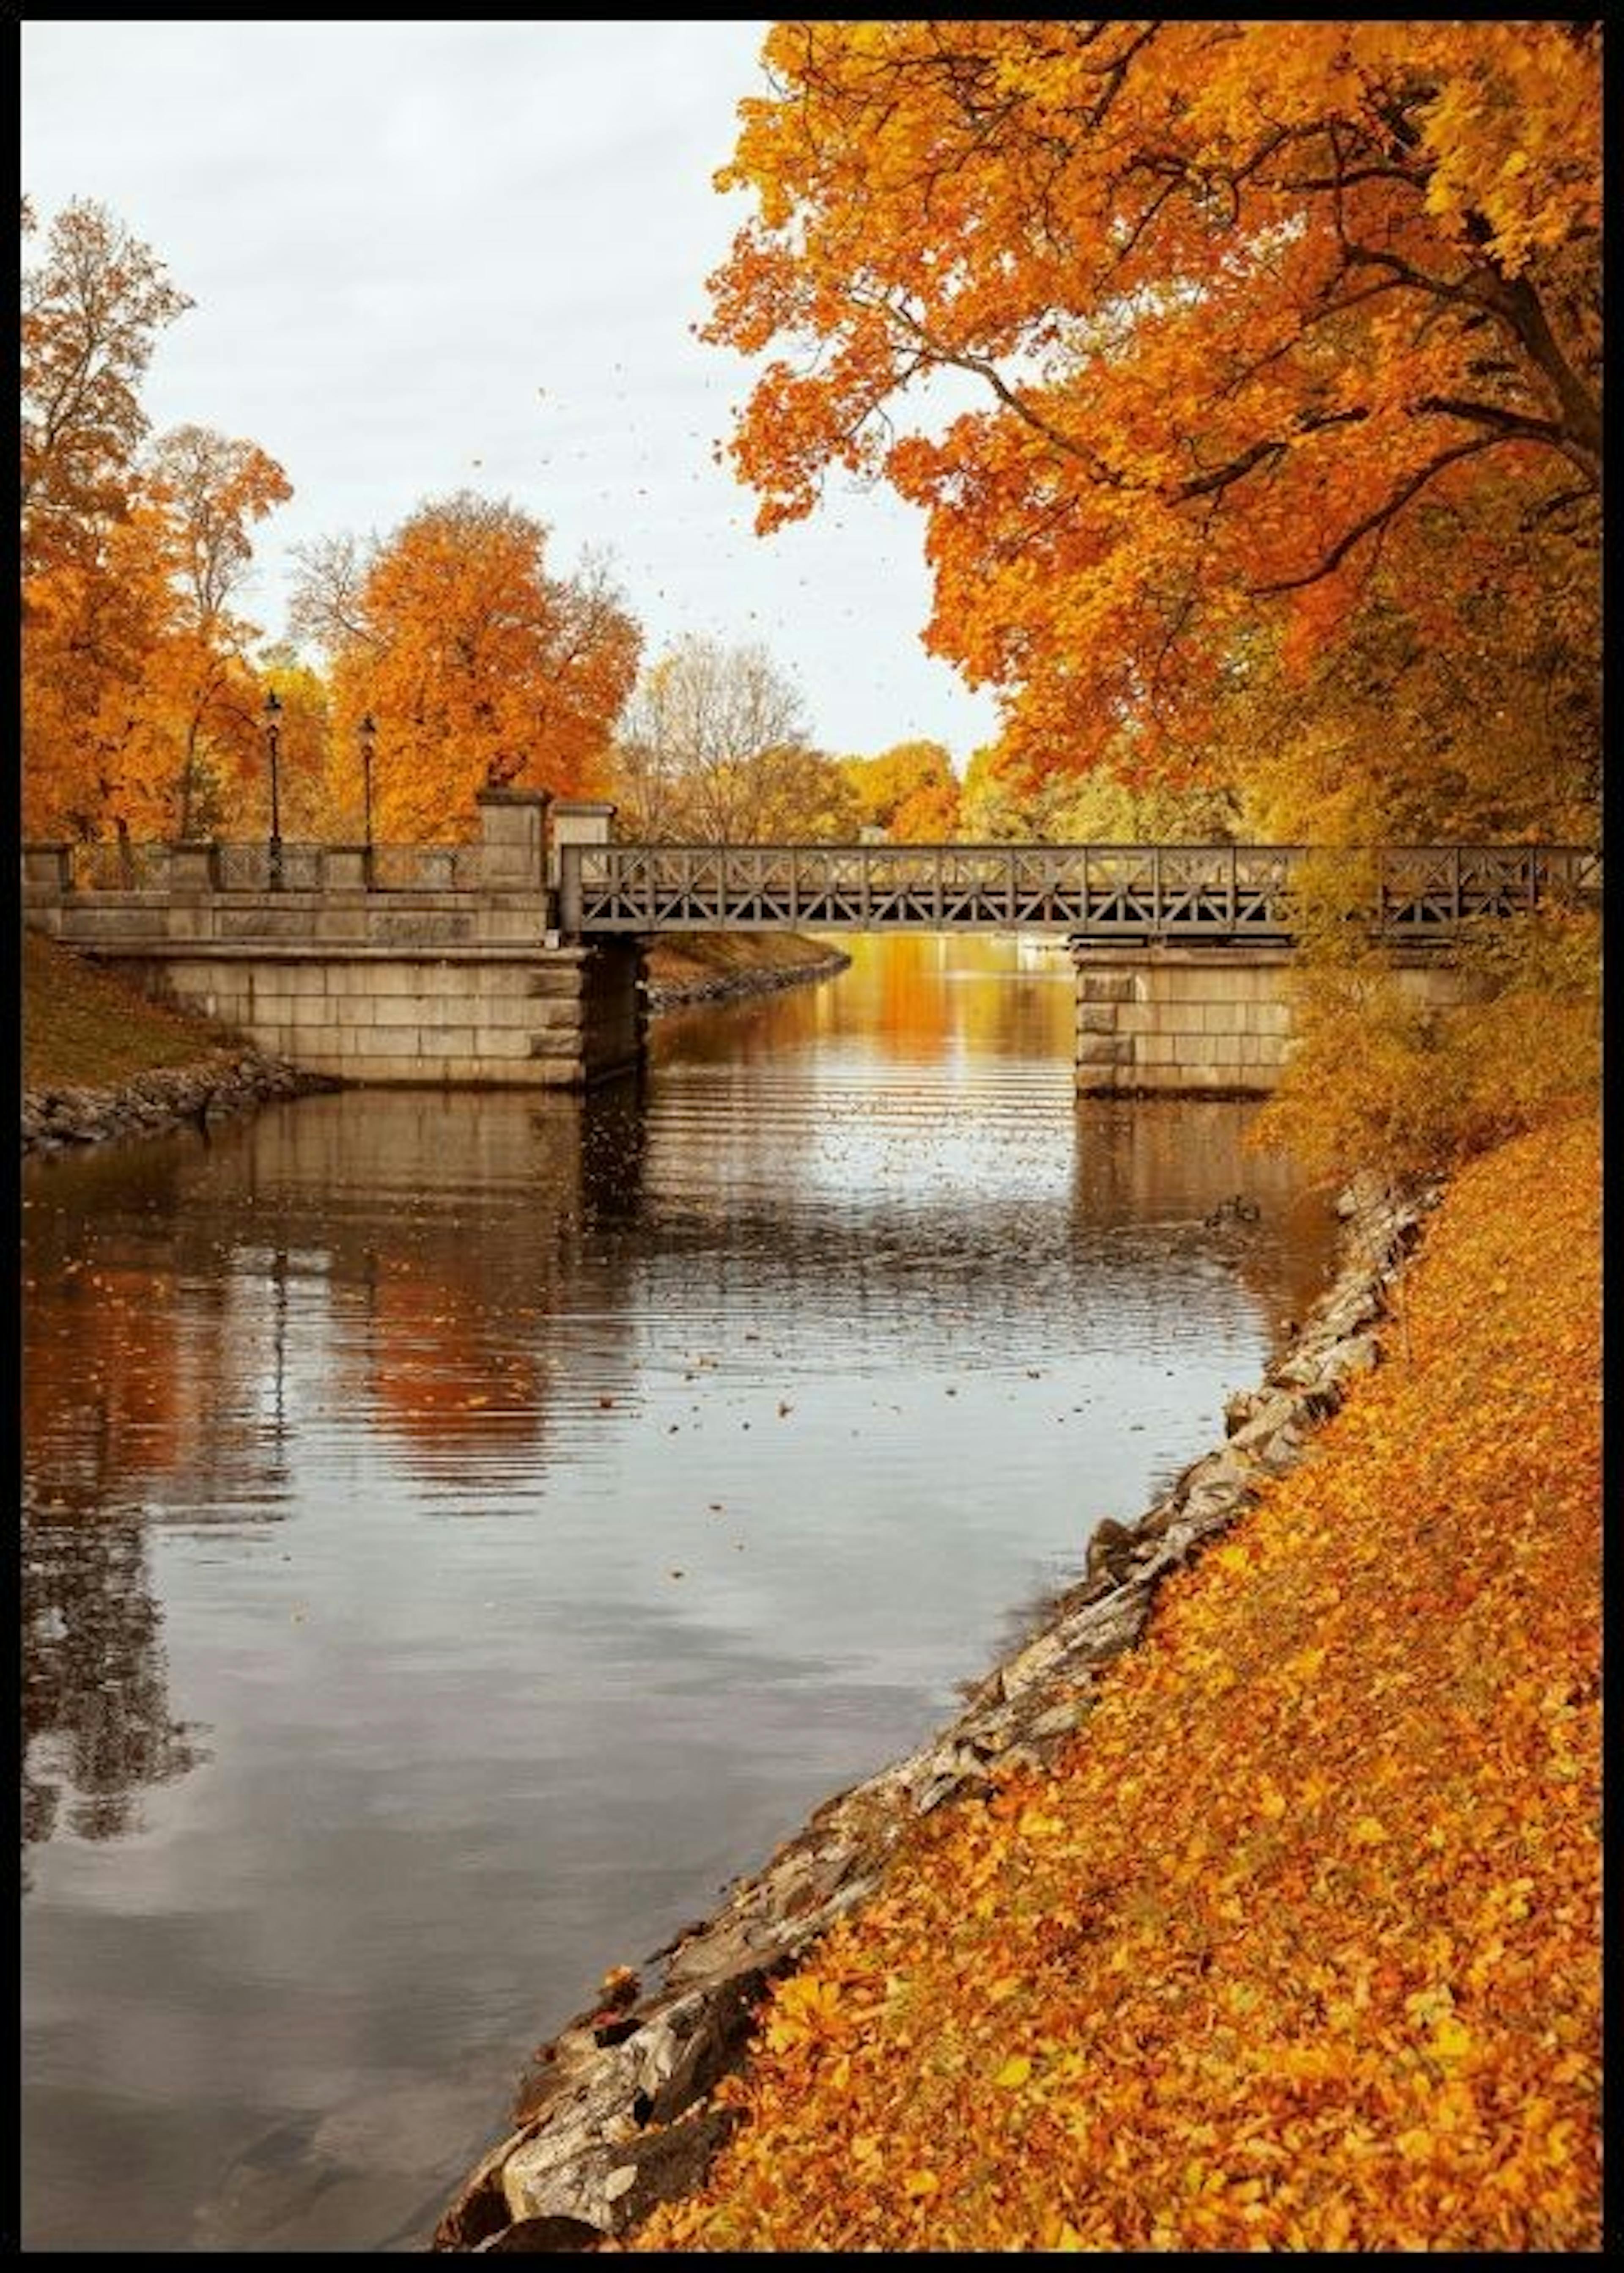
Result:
910,791
1230,300
138,698
1004,798
95,596
91,310
479,669
93,622
1458,699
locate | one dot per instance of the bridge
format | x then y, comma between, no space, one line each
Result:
516,960
1114,894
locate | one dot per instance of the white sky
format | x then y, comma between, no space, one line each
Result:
430,256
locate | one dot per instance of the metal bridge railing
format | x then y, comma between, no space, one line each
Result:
1216,892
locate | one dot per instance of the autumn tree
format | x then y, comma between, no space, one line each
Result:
1229,303
1458,699
804,796
92,311
96,596
93,624
209,491
1005,799
910,791
480,669
712,748
138,694
320,784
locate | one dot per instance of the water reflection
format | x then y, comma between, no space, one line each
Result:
97,1726
461,1532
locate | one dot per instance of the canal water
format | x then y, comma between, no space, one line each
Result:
463,1532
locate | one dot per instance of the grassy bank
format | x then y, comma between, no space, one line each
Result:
1299,1945
83,1029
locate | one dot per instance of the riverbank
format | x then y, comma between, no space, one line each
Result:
723,966
1342,1992
102,1060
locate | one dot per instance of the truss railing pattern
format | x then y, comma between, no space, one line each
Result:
1218,893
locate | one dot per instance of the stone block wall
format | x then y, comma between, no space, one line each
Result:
1181,1022
536,1018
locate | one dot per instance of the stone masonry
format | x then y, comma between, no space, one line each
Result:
1184,1021
461,986
539,1018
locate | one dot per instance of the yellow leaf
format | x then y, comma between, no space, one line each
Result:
1336,2225
920,2182
1451,2038
1014,2072
1367,1832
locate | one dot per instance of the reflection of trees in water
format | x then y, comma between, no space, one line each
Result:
448,1229
929,995
96,1725
120,1375
1168,1166
451,1263
170,1289
428,1239
137,1354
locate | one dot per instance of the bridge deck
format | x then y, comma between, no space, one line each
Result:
1228,893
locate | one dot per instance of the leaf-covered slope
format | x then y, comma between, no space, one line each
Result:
1298,1947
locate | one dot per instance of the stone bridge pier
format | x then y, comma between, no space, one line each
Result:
1163,1020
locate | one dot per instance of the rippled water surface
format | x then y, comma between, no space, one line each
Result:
461,1532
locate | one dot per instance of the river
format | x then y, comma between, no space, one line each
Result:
461,1532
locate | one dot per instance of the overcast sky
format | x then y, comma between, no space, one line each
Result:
430,256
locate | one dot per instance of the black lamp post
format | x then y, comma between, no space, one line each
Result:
367,734
273,735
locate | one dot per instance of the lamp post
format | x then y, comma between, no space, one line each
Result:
273,735
367,734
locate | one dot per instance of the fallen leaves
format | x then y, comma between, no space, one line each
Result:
1298,1946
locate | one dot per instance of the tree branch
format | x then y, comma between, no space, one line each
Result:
1394,505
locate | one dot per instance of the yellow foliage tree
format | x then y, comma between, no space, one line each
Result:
910,791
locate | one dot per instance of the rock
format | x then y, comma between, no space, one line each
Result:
742,984
1111,1549
161,1098
1238,1410
542,2236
